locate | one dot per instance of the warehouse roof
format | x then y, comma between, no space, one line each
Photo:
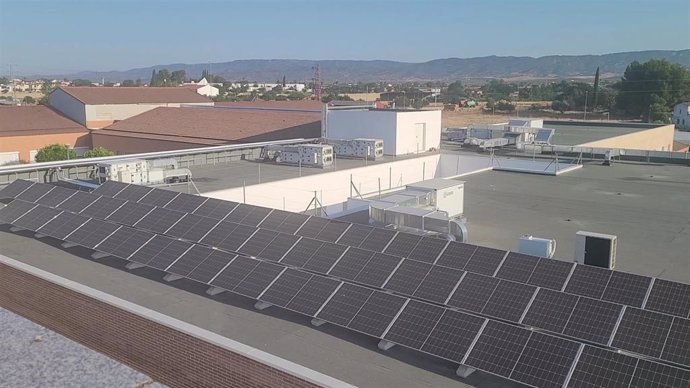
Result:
134,95
35,120
288,105
216,126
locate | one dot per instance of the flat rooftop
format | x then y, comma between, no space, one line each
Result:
577,133
340,353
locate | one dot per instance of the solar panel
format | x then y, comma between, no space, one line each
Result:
14,210
186,263
438,284
377,313
248,214
15,188
642,331
110,188
378,269
301,252
652,374
545,361
36,217
408,276
593,320
192,227
292,223
550,310
257,280
332,231
210,267
156,197
124,242
414,324
588,280
57,195
186,203
152,249
312,227
234,273
258,242
669,297
544,135
279,246
239,235
473,292
456,255
313,295
288,284
677,345
102,207
36,191
133,193
551,273
627,288
216,235
485,260
498,348
517,267
598,367
215,208
169,254
345,304
351,263
159,220
428,249
92,233
378,239
453,335
324,258
273,220
62,225
509,300
403,244
78,202
130,213
355,234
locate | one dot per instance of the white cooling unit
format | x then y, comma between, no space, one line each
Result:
535,246
595,249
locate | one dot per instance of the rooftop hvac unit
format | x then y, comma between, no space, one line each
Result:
357,148
535,246
595,249
318,155
446,194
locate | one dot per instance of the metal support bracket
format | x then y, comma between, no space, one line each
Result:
317,322
171,277
133,265
16,229
39,235
464,371
214,291
385,345
262,305
99,255
67,244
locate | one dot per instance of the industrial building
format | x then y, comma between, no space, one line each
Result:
681,116
98,107
26,129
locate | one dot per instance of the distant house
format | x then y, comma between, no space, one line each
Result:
202,87
98,107
681,116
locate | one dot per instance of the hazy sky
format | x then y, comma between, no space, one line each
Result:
65,36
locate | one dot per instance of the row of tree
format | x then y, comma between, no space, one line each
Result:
57,152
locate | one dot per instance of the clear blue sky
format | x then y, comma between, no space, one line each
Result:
60,36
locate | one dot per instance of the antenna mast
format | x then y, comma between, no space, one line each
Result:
318,83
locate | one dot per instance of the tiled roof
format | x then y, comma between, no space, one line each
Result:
35,120
134,95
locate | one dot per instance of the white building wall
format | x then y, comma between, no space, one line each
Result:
408,131
681,116
351,124
208,90
116,112
68,105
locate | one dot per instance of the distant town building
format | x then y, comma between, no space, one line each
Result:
98,107
681,116
26,129
202,87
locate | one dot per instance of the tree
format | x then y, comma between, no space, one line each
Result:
55,152
154,78
98,152
651,86
206,74
127,83
454,92
28,100
178,77
596,89
283,80
560,105
47,87
498,89
81,82
164,78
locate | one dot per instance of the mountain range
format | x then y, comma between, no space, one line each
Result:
271,70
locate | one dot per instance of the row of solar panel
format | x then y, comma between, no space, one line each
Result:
629,289
653,334
513,352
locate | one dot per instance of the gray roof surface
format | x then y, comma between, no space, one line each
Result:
345,355
585,133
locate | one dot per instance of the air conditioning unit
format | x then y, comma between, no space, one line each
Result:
535,246
595,249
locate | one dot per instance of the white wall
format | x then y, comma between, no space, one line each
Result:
406,142
125,111
68,105
351,124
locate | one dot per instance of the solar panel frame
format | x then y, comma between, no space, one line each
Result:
677,343
428,249
377,313
130,213
598,367
186,263
438,284
550,310
588,280
92,233
378,269
274,220
285,287
402,244
332,231
233,274
14,210
102,207
378,239
15,188
498,348
355,234
344,304
219,232
626,288
239,235
192,227
408,276
669,297
351,263
509,300
642,331
593,320
312,227
652,374
545,361
292,223
258,242
485,261
159,220
456,255
301,252
259,279
168,255
151,249
551,273
325,257
414,324
62,225
473,291
158,197
133,193
453,335
313,295
124,242
110,188
517,267
280,245
215,208
186,203
36,217
248,214
35,192
77,202
208,269
57,195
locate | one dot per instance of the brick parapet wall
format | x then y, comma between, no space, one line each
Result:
170,356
